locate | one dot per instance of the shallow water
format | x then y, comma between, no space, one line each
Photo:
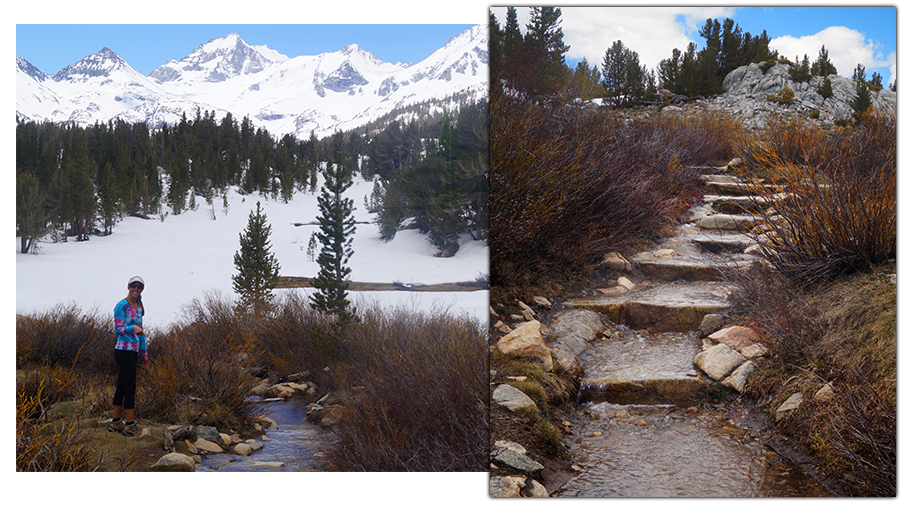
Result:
666,451
292,447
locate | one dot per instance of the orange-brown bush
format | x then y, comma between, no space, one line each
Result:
419,386
831,198
570,184
199,371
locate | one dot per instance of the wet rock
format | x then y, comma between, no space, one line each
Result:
566,362
728,222
506,486
718,361
527,341
512,398
174,462
265,422
738,379
242,449
573,330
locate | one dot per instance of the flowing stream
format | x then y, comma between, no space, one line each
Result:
291,447
648,423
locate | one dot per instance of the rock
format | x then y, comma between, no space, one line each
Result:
566,362
738,379
226,439
728,222
174,462
512,398
266,422
512,445
753,351
664,253
736,337
527,341
516,460
615,261
506,486
711,323
503,327
825,393
206,446
537,490
793,402
526,310
543,302
242,449
625,283
573,330
254,444
718,361
210,434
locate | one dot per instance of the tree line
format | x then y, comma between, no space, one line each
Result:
533,64
74,181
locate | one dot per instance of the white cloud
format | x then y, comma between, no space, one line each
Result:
846,48
650,31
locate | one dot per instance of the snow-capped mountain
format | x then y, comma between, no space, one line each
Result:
321,93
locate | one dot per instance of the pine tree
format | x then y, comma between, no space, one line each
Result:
256,266
337,226
863,100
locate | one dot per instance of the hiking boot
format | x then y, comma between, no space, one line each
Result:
130,429
116,426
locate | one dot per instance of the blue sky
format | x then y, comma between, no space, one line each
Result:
146,47
852,35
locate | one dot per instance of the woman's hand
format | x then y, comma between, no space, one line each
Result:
146,361
138,330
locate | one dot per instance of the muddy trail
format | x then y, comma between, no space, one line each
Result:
652,418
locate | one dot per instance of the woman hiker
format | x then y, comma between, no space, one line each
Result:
130,342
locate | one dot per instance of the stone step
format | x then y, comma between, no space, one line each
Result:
691,268
660,307
735,205
735,188
643,368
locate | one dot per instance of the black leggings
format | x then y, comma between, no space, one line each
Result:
127,383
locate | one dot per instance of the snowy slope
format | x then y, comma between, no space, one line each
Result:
321,93
185,257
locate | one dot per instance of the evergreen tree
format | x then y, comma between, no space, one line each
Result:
822,66
824,88
863,100
547,49
257,268
335,237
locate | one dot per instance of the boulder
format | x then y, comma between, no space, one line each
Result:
506,486
738,379
174,462
718,361
206,446
242,449
210,434
573,330
527,341
736,337
512,398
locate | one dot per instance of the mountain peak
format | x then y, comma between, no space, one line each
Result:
101,63
219,59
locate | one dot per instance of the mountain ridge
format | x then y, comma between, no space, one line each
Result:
302,96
